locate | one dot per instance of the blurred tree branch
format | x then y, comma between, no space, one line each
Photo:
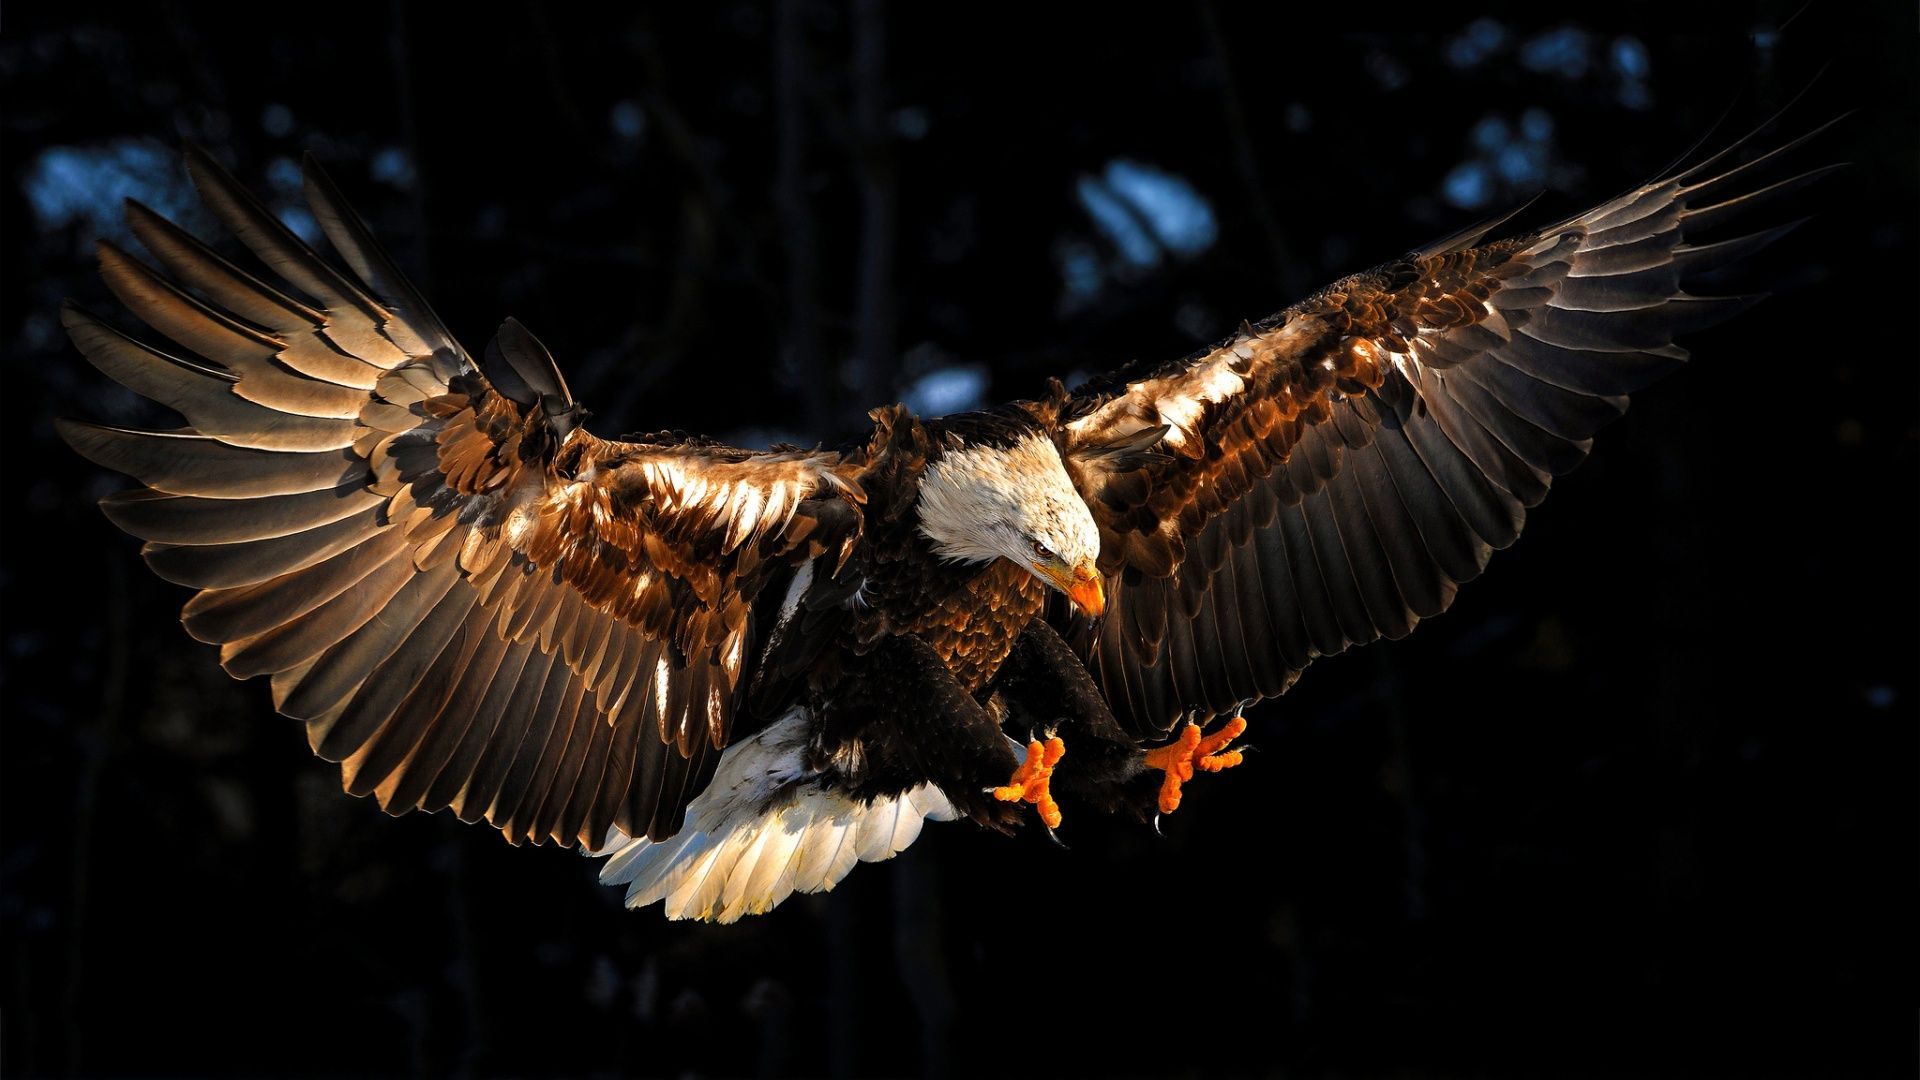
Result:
1288,274
874,353
791,198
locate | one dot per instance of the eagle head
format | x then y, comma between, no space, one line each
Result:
984,502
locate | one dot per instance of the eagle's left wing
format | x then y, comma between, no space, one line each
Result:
1331,475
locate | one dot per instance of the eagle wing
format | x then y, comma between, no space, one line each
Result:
1332,474
471,602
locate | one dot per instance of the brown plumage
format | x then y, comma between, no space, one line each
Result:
1339,469
475,604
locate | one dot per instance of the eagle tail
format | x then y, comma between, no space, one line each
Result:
764,829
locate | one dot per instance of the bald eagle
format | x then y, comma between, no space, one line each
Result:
737,673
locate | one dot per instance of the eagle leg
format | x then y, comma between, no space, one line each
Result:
1043,690
1033,781
1179,758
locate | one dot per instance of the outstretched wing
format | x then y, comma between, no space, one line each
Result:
1331,475
470,601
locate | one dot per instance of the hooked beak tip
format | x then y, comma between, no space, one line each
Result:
1087,593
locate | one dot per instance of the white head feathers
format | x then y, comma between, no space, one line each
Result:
984,503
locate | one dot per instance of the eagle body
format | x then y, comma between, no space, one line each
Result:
937,620
968,611
968,616
734,673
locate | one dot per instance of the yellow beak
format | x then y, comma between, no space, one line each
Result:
1086,592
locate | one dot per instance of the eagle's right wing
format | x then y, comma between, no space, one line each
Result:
470,601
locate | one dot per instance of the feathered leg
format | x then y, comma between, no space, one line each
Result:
896,718
1046,692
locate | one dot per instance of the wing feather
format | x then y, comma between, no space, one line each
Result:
189,463
489,717
185,519
525,780
480,799
278,625
413,707
452,709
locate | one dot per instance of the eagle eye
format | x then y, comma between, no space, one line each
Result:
1042,550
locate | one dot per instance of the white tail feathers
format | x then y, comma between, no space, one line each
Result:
739,855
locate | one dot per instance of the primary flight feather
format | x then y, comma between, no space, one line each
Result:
738,673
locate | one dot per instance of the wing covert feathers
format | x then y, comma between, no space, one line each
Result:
1331,475
471,602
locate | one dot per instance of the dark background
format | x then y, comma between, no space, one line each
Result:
1643,802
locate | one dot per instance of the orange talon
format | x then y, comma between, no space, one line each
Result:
1179,757
1032,781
